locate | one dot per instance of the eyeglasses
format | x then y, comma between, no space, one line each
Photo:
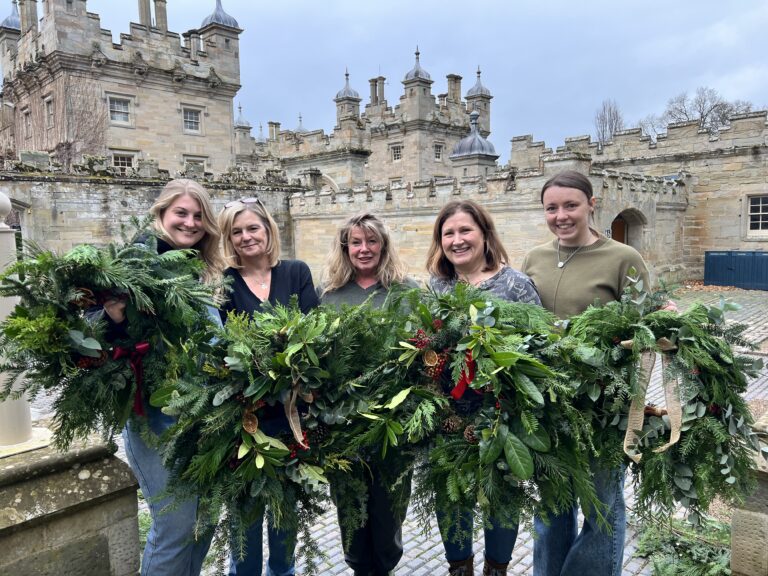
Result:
246,201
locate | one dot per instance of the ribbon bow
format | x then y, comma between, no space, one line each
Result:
134,358
466,378
671,395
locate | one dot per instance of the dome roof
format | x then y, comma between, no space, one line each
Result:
260,138
300,128
474,144
347,91
241,122
417,72
13,21
220,17
478,89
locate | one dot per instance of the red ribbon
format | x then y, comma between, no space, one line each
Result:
134,357
467,376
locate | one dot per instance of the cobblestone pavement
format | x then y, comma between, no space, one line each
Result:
423,554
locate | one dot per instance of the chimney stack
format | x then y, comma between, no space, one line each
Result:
374,100
161,15
145,13
381,98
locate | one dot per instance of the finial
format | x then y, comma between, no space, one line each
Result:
478,72
417,52
240,108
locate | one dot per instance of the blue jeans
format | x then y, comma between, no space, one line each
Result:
560,550
499,541
171,549
281,543
281,552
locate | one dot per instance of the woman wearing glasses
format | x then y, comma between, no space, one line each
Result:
252,250
363,266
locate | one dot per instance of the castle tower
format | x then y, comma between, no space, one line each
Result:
347,102
479,98
242,133
473,155
417,102
220,35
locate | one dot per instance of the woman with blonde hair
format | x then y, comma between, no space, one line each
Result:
252,251
363,266
466,248
183,220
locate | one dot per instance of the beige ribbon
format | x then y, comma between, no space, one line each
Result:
292,413
671,395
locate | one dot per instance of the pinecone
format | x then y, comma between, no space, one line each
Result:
469,434
86,362
319,434
452,424
434,365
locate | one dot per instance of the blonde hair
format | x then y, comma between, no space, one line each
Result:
227,220
339,271
208,247
495,254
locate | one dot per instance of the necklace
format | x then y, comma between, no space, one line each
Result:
562,263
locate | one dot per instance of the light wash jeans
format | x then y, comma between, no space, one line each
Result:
561,550
499,541
171,549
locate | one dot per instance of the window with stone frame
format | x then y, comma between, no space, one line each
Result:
192,118
49,113
27,124
396,150
122,162
195,164
757,215
438,152
120,110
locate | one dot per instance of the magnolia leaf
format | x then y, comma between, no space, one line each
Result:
518,457
162,396
593,391
683,483
491,449
370,416
527,387
242,451
312,473
398,399
683,470
259,461
505,359
225,393
539,440
234,363
408,345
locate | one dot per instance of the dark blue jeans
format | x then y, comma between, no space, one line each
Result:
561,550
499,541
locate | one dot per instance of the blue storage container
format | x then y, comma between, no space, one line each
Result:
743,269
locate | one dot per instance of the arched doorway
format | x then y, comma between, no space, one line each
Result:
627,227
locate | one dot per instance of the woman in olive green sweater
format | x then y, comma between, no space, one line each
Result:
578,268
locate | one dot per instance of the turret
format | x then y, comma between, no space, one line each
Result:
473,155
417,102
347,102
479,98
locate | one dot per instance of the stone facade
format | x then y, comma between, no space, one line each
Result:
155,95
408,142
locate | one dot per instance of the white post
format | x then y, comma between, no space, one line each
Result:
15,416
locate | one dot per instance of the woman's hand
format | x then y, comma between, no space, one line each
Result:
115,309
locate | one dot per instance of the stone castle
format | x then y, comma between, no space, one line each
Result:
168,103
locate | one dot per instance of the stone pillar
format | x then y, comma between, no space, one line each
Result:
749,525
68,514
145,13
15,416
161,15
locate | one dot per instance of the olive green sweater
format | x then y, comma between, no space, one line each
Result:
597,273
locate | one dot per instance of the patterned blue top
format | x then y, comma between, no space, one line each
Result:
507,284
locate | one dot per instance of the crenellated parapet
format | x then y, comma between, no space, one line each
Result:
682,140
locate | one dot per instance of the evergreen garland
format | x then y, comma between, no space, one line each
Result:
58,339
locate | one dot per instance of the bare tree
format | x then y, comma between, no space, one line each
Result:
85,121
608,121
707,107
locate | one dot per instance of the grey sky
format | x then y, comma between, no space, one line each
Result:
548,64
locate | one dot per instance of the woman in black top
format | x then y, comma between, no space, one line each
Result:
252,251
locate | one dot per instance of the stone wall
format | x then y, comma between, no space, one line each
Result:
63,211
514,201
